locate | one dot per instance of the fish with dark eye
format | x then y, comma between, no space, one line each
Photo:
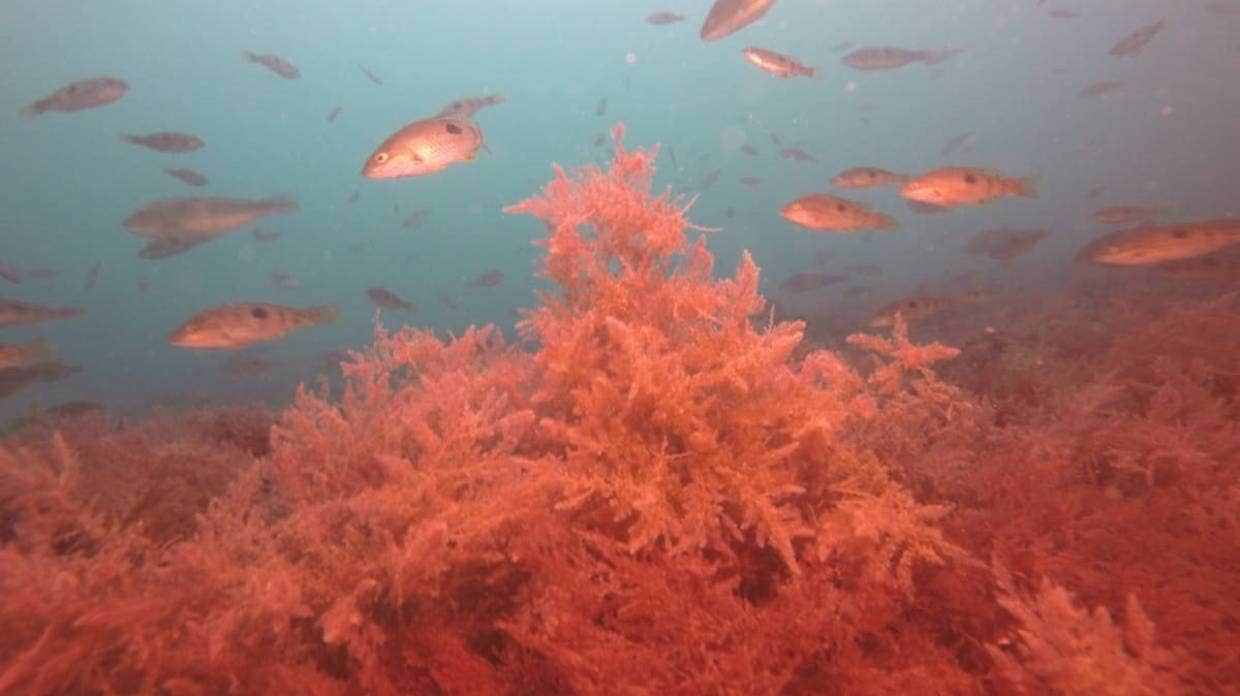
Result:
166,141
1153,244
488,279
240,324
867,177
386,299
891,57
726,17
187,176
13,312
1132,44
432,144
274,63
951,186
664,17
777,64
826,213
90,93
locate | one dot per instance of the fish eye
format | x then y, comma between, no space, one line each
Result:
453,128
970,179
258,313
1180,234
871,173
912,304
381,157
839,207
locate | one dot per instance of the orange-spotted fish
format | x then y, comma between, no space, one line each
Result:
84,94
950,186
776,63
867,177
18,312
1142,246
432,144
727,17
827,213
243,323
24,354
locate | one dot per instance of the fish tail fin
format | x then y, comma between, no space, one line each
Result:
249,56
127,138
283,203
31,110
1027,187
812,73
888,222
324,314
38,352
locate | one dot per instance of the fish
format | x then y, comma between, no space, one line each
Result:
370,76
187,176
710,179
601,107
664,17
331,115
92,276
165,141
1127,214
90,93
263,234
922,306
726,17
431,144
949,186
750,181
1132,44
867,177
10,272
796,154
749,150
274,63
891,57
13,312
180,221
387,299
18,378
416,218
1221,265
827,213
807,281
288,281
777,64
240,324
599,140
487,279
1001,244
1152,244
13,355
1100,89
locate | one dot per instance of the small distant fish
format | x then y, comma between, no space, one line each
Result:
488,279
243,323
891,57
1002,244
1100,89
808,281
664,17
263,234
13,355
187,176
749,150
1147,245
92,276
10,272
1132,44
287,281
867,177
727,17
369,75
274,63
948,186
416,218
777,64
382,297
432,144
13,312
76,96
18,378
710,179
331,115
166,141
1127,214
751,181
600,140
824,212
449,301
958,143
175,225
841,47
601,107
796,154
914,308
1223,265
729,212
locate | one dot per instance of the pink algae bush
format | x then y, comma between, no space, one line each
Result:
669,495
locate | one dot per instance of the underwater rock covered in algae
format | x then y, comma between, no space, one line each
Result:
659,499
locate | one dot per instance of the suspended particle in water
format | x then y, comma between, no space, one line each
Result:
630,58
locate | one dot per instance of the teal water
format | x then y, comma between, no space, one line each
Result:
1168,138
